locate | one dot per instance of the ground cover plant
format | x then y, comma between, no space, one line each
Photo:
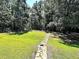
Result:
62,51
19,46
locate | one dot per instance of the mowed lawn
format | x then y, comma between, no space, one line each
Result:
19,46
62,51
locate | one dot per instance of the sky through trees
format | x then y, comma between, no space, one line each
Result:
31,2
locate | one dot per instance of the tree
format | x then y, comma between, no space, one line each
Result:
14,16
39,21
5,16
64,13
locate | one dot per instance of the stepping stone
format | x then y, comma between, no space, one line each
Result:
42,49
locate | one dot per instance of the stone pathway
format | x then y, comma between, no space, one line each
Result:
42,48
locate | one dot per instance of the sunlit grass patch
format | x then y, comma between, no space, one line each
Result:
62,51
19,46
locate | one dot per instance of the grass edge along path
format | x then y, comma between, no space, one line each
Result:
62,51
42,48
19,46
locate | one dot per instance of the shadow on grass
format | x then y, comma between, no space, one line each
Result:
71,44
70,40
17,33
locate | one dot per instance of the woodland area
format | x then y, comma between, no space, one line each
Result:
47,15
49,29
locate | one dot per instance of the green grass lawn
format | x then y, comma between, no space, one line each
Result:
19,46
62,51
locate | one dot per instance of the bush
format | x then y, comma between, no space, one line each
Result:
72,38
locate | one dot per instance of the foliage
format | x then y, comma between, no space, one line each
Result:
14,16
64,14
50,15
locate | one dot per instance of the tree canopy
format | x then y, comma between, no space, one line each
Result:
47,15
